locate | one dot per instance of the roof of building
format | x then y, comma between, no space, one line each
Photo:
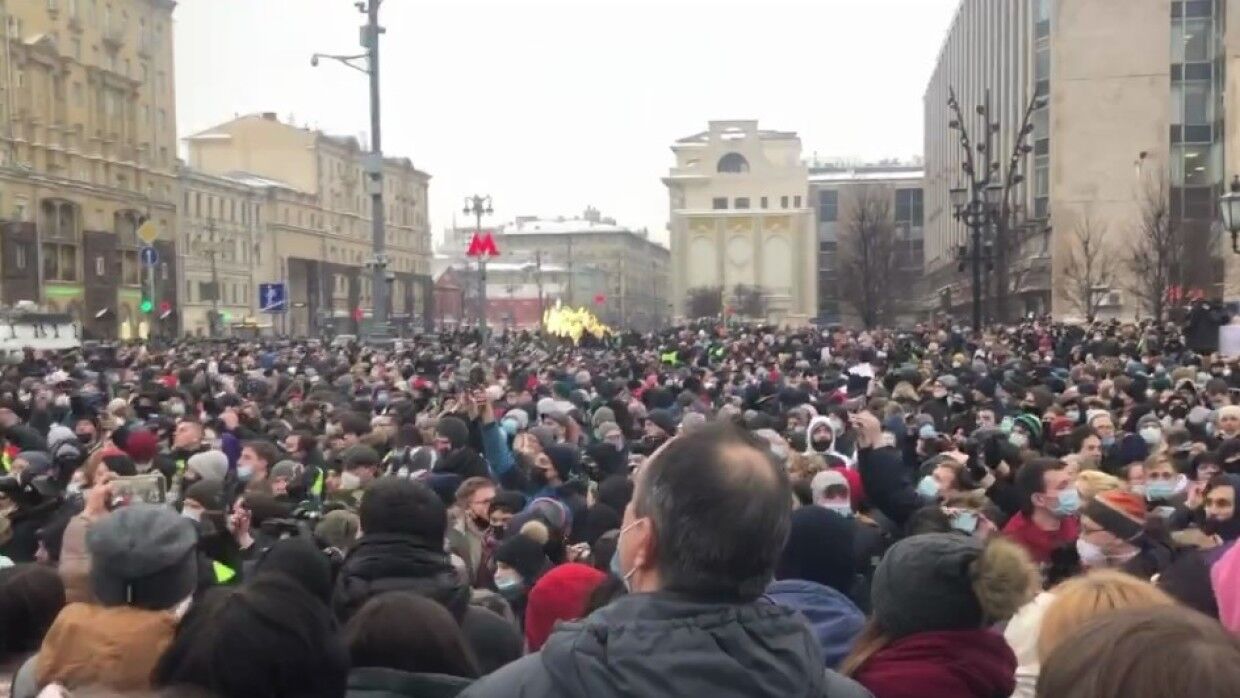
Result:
563,226
765,134
866,173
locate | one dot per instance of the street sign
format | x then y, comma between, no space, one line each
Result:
148,233
273,298
149,256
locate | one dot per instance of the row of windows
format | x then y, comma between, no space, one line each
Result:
720,203
909,206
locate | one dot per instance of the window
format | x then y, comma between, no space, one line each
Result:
1191,41
131,268
101,268
741,202
719,203
796,201
732,163
783,202
909,207
828,206
1194,165
59,262
19,256
763,202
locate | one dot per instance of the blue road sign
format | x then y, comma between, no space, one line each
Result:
273,298
150,257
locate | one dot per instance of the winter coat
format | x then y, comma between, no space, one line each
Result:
74,566
375,682
888,484
941,664
464,462
664,644
114,647
25,523
385,562
834,619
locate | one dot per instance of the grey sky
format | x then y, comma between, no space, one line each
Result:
552,105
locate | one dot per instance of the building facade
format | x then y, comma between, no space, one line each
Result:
317,218
87,155
633,292
1135,116
740,216
836,192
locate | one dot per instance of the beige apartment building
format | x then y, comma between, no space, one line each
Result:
836,193
739,215
1137,101
634,268
87,154
317,218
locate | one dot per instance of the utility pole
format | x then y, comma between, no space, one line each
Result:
477,205
210,248
373,164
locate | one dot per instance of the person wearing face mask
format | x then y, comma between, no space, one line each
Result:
456,456
360,468
699,543
86,429
1165,487
519,563
1228,422
1117,532
471,519
1050,501
1149,428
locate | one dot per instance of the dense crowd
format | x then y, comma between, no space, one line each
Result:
717,510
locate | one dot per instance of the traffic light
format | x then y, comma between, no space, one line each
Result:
147,305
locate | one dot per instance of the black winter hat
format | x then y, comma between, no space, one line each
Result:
566,459
819,549
454,430
664,420
297,559
525,555
398,505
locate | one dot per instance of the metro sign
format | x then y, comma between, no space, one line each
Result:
482,244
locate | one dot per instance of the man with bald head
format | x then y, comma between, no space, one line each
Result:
700,539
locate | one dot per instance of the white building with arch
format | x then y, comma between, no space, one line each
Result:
740,216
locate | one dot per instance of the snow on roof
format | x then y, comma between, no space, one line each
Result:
252,180
562,227
865,175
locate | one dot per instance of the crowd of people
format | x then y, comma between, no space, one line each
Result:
716,510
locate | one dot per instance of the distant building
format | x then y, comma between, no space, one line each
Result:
318,217
740,216
517,292
833,193
633,292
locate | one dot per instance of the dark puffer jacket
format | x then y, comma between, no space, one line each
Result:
394,562
664,644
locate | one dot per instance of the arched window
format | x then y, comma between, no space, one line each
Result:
733,163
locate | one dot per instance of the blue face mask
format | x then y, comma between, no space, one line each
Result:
965,521
1069,502
508,587
1108,441
928,487
245,472
510,427
1156,490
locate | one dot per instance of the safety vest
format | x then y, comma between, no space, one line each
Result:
223,573
670,357
316,489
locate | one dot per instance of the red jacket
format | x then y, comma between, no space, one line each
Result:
942,664
1041,543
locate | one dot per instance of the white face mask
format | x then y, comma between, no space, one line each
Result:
1151,435
349,481
192,513
1019,439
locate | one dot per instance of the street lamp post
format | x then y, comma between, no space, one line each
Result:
477,205
1229,209
368,63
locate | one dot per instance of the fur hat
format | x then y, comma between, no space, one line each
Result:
948,581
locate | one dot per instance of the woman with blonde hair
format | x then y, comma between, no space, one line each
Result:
1080,599
1094,482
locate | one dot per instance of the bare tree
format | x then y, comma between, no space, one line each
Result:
1155,257
869,276
1089,269
749,301
704,301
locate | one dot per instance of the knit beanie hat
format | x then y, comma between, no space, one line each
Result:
565,459
208,493
299,560
1132,449
208,465
142,445
120,464
37,463
601,415
1032,424
560,595
948,581
525,555
664,420
143,555
338,529
454,430
1119,512
819,549
285,470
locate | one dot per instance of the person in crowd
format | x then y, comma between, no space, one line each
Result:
1049,507
143,575
935,597
816,576
471,521
1145,652
1078,600
520,561
269,637
1116,532
692,623
255,463
404,645
31,596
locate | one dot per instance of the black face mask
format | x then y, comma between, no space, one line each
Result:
822,444
86,438
539,477
482,522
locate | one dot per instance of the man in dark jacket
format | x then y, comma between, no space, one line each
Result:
699,543
402,549
456,456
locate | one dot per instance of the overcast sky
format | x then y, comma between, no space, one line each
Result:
550,106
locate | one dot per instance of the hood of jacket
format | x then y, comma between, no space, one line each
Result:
114,647
665,644
942,664
833,617
393,562
378,682
820,421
